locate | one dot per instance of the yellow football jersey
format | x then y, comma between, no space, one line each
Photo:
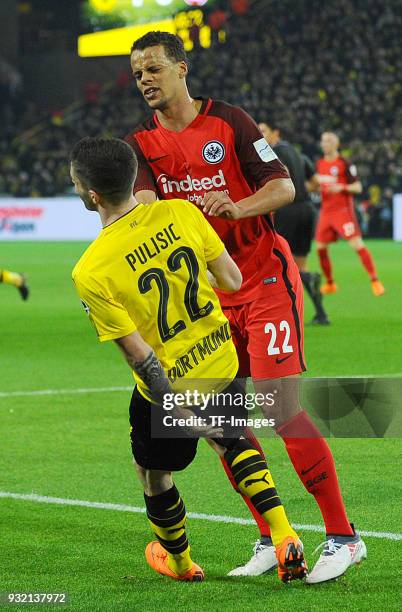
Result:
147,271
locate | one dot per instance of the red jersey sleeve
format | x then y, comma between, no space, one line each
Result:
259,162
350,172
145,180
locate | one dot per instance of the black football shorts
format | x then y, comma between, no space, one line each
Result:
175,454
296,223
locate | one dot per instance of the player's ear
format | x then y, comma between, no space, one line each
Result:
94,196
183,70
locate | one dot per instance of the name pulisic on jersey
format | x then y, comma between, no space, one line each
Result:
160,241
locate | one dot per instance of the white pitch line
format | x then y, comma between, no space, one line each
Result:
217,518
63,391
39,392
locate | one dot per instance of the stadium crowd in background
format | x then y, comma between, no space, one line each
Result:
333,66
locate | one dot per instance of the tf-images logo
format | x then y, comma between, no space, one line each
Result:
213,152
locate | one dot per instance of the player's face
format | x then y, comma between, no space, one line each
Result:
81,191
158,78
270,135
329,143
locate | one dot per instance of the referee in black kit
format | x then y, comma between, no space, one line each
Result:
295,222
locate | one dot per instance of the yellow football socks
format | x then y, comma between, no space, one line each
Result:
167,515
254,480
11,278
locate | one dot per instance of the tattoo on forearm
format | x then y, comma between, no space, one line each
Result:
151,372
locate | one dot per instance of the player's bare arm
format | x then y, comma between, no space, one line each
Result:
224,274
355,188
142,359
313,184
273,195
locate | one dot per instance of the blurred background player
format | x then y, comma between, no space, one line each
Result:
295,222
16,279
213,154
338,182
153,249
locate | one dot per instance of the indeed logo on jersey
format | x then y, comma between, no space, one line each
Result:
191,184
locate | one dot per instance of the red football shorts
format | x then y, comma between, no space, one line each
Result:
331,225
268,333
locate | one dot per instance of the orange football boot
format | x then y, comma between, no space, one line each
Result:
291,562
157,558
377,288
329,288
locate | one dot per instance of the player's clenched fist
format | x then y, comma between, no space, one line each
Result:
219,204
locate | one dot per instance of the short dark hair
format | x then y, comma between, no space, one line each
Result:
271,123
172,44
106,165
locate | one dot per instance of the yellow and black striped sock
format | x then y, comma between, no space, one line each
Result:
254,480
11,278
167,515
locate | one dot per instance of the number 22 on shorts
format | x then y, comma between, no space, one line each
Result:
284,330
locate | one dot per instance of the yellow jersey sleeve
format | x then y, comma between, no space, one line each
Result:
213,245
110,318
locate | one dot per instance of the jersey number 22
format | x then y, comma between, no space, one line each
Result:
195,312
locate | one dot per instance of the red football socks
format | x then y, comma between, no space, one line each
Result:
368,263
325,263
314,464
313,461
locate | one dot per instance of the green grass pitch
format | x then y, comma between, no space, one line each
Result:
75,446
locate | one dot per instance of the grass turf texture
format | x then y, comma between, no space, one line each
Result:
76,446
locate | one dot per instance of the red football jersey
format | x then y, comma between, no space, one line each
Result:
336,171
221,150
